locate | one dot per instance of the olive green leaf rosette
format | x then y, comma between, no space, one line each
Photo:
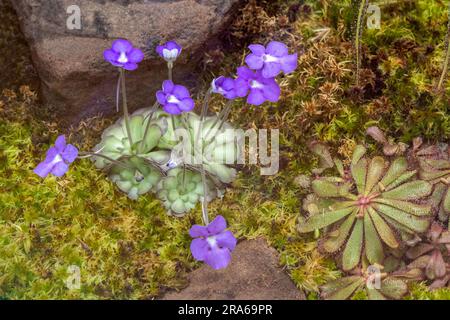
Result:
366,216
382,286
182,188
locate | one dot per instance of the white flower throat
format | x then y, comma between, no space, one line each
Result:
172,99
123,58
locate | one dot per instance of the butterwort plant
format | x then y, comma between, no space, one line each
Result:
140,152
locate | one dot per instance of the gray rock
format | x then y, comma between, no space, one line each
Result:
253,274
77,82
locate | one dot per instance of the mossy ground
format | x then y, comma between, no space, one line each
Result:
132,249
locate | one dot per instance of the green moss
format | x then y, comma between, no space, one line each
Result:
421,292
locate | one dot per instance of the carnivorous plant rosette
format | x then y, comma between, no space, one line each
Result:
377,286
368,213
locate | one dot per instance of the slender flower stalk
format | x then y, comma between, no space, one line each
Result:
119,81
221,118
205,216
126,116
147,127
83,155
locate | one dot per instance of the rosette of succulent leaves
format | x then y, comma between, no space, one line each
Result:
168,162
372,207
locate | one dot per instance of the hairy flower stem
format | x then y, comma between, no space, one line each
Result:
358,35
198,141
205,217
447,57
170,76
147,127
221,118
83,155
125,108
119,81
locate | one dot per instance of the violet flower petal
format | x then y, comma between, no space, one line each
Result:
199,249
60,168
111,56
271,69
217,225
218,258
256,97
122,45
70,153
43,169
186,104
168,86
277,49
60,143
130,66
226,239
257,49
198,231
172,108
161,97
254,62
180,92
135,56
289,63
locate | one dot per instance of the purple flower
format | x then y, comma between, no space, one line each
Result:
57,159
169,51
174,98
261,89
212,244
224,86
122,54
271,60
